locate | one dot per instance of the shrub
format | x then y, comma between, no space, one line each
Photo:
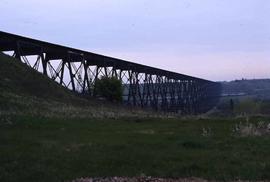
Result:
109,88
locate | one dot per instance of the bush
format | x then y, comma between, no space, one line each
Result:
109,88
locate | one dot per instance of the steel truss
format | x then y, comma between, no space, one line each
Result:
144,86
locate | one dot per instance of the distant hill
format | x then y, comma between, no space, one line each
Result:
245,97
256,87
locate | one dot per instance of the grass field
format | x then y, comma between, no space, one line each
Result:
48,133
40,149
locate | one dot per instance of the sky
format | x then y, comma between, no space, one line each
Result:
213,39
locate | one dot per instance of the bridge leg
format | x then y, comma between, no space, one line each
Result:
139,90
18,51
44,63
153,90
62,69
95,79
86,79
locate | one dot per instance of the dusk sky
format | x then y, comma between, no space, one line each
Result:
213,39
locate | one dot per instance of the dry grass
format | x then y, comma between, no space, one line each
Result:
247,128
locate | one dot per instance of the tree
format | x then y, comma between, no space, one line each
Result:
109,88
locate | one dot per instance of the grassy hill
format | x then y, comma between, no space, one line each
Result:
259,88
17,78
26,91
250,97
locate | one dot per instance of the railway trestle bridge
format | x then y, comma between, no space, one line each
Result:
144,86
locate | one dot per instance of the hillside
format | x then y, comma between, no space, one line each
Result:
256,87
245,97
17,78
25,91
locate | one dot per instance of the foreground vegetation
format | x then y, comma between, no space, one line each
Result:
48,133
51,149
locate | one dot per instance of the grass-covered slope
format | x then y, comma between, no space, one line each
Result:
25,91
17,78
